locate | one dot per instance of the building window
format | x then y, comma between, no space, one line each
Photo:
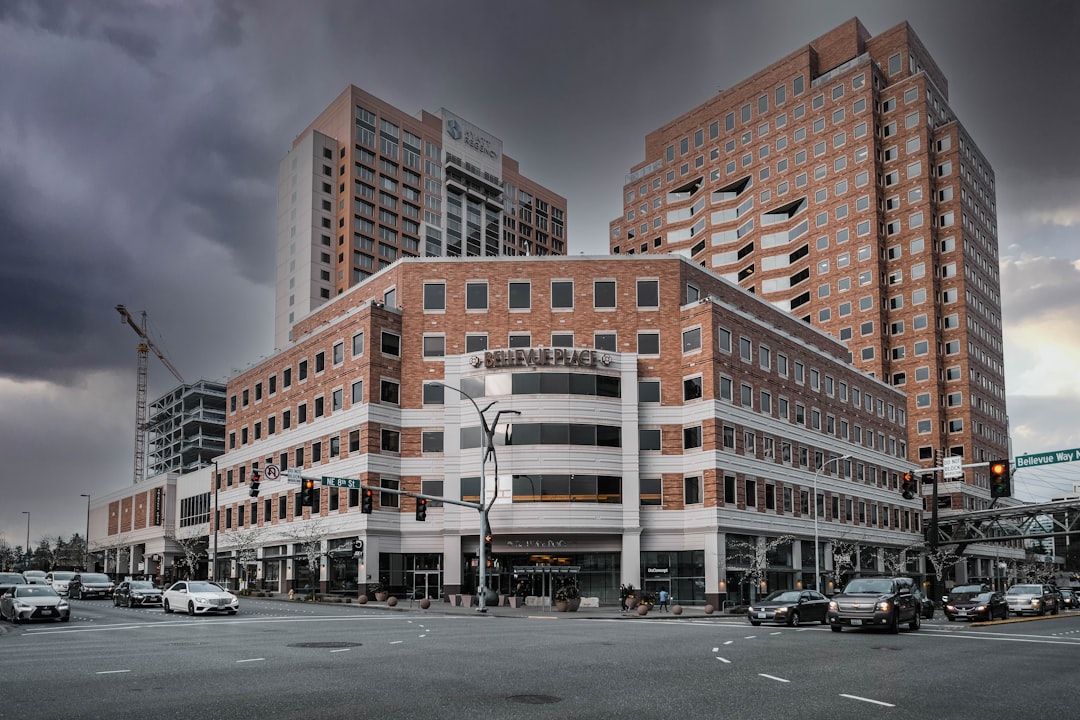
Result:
476,295
648,343
692,437
390,392
649,439
649,391
692,491
692,388
519,295
434,296
390,440
691,340
648,293
434,346
651,492
562,294
604,293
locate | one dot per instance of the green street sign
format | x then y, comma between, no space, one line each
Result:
1048,458
351,483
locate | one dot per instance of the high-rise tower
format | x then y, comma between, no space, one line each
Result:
367,183
839,184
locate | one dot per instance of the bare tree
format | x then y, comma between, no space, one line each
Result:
896,560
244,542
9,555
194,546
309,537
941,559
844,553
754,554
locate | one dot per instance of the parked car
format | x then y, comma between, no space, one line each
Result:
789,607
983,606
59,581
876,603
199,597
1069,599
132,593
10,580
85,586
1032,598
926,605
23,603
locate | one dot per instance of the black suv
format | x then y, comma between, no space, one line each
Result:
876,603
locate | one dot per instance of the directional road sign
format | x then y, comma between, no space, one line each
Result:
351,483
1047,458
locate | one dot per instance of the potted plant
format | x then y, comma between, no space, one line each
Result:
380,592
567,598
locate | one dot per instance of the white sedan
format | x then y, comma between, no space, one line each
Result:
199,597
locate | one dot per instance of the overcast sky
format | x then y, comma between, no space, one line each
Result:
139,144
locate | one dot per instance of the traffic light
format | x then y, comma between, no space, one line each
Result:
367,498
928,478
907,486
307,492
487,545
421,509
1000,485
255,479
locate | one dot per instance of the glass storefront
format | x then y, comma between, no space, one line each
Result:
681,573
596,574
415,576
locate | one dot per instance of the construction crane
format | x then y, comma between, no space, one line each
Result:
140,389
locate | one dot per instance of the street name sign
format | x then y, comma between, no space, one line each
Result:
351,483
1047,458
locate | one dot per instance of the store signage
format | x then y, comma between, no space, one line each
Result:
159,494
536,543
539,357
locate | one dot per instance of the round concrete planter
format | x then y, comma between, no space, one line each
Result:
425,604
642,609
391,601
676,609
709,609
361,600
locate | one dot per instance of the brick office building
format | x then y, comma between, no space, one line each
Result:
367,183
666,418
839,185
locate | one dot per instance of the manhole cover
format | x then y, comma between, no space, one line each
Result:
326,645
534,699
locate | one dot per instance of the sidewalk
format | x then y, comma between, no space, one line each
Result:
439,607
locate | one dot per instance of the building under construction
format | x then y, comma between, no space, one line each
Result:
187,428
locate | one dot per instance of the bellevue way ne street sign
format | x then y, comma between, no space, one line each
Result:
1048,458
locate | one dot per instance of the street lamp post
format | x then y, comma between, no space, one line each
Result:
26,549
86,538
817,553
486,448
213,563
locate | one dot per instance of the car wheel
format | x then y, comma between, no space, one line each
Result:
755,623
916,622
835,628
165,607
793,619
115,601
232,612
190,608
824,619
65,618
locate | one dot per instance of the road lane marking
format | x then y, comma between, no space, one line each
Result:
775,633
250,660
723,660
396,642
111,672
749,637
716,649
1003,638
341,650
868,700
773,677
728,642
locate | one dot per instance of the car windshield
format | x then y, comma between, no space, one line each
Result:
63,575
967,589
1025,590
203,587
12,578
141,585
983,597
869,585
95,578
34,591
783,596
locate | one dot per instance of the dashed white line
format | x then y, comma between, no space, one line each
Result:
773,677
396,642
111,672
749,637
729,642
723,660
862,699
250,660
775,633
341,650
716,649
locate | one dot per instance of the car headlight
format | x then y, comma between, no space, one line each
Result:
883,606
950,607
833,605
1035,601
200,599
981,608
62,604
22,606
781,611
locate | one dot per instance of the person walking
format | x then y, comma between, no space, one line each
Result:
663,600
623,592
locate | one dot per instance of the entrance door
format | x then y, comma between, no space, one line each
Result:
426,585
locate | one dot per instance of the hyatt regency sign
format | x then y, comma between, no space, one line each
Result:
539,357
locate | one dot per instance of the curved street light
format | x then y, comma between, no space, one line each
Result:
86,538
487,448
817,553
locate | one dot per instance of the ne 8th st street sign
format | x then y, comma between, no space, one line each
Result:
1048,458
351,483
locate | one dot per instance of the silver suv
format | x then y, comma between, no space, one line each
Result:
1033,598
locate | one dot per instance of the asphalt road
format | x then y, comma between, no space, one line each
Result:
293,660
